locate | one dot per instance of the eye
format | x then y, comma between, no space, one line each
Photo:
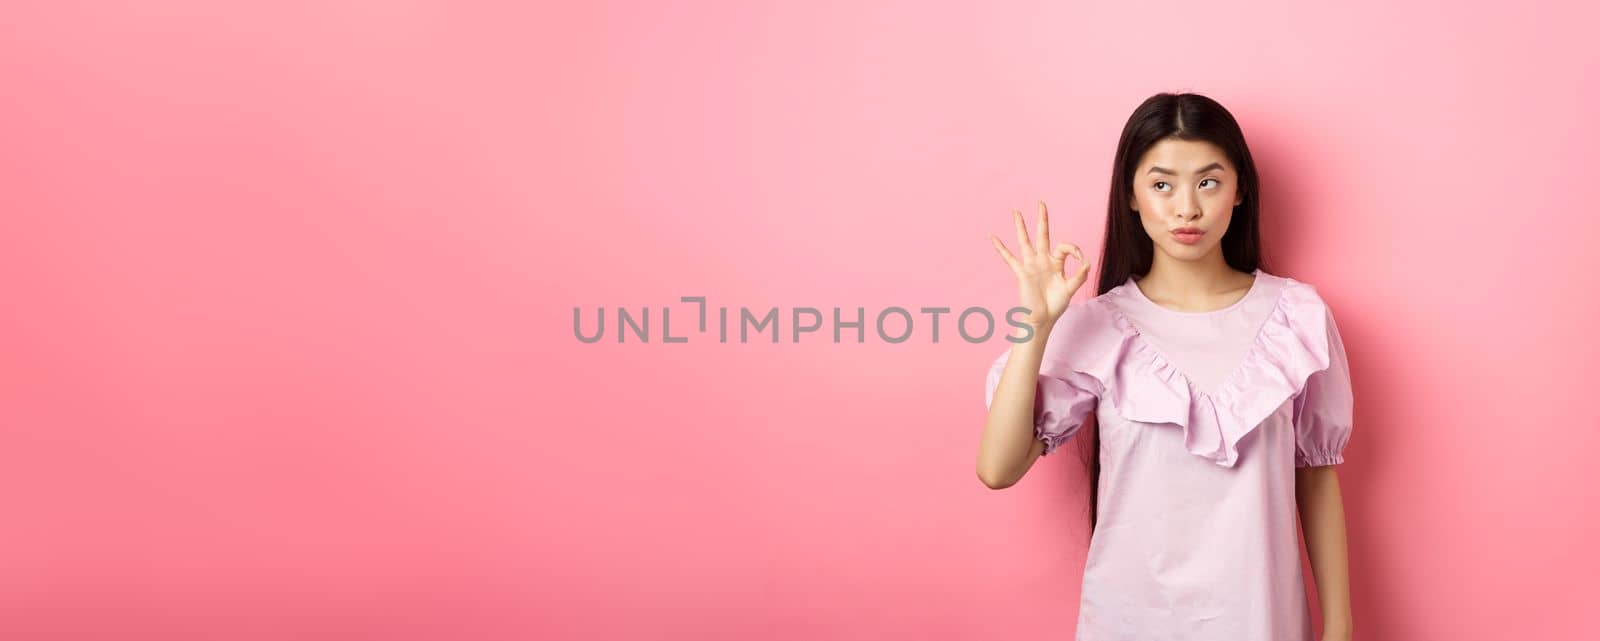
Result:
1158,185
1219,183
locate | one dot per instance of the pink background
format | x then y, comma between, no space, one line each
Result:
287,349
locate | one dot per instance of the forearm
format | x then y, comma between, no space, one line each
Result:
1322,519
1008,433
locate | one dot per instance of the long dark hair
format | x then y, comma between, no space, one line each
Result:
1128,250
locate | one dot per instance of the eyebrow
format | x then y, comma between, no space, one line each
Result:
1169,172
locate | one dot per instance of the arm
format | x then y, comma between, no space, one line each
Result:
1009,447
1322,519
1019,414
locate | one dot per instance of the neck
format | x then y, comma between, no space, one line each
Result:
1189,283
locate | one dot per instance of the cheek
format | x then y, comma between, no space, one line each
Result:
1220,206
1224,220
1153,225
1146,215
1148,209
1225,205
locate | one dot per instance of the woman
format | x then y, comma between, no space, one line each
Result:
1220,393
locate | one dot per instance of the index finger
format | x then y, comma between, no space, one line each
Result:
1005,254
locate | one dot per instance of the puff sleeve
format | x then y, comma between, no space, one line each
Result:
1064,397
1324,410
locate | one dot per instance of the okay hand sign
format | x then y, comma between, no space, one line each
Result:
1044,288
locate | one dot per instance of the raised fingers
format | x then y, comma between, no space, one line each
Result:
1044,229
1005,254
1025,246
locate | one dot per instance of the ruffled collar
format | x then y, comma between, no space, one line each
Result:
1144,385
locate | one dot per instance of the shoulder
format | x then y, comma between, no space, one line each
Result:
1106,306
1303,315
1088,329
1300,297
1095,312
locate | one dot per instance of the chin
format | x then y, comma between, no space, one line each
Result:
1187,253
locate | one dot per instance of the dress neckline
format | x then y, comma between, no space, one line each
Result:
1256,286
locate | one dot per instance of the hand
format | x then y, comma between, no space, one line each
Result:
1044,289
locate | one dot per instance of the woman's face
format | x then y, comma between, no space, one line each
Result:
1185,185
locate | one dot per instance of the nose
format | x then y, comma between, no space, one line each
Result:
1189,207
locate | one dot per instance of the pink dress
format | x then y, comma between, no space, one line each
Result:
1203,417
